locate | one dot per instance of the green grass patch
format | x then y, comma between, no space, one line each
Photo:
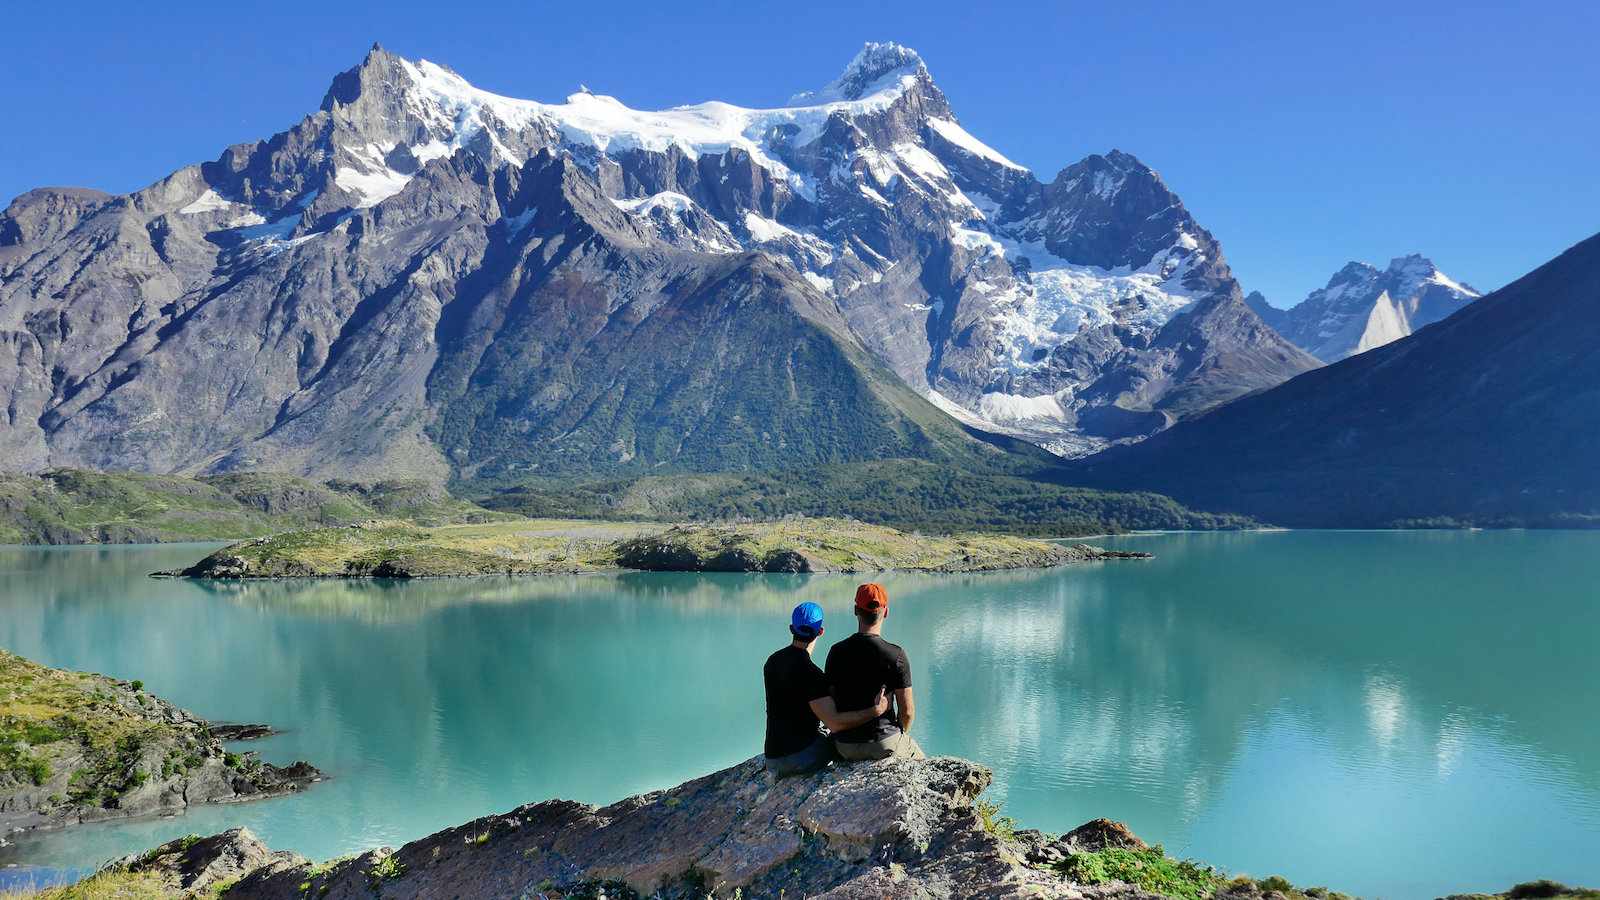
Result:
43,708
73,506
107,885
1001,826
1150,869
386,869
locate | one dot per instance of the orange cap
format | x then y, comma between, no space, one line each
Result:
872,597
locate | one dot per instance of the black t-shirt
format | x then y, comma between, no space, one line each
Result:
793,681
858,667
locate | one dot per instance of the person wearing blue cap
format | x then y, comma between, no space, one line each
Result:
799,703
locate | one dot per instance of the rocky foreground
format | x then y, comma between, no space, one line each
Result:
896,828
76,747
393,549
889,829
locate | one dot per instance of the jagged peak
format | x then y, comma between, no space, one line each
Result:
1106,175
1354,270
378,65
1125,162
1114,162
1404,276
877,67
1412,262
1411,273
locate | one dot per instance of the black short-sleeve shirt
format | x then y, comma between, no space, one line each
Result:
858,668
793,681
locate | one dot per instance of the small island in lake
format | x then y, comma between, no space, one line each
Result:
398,549
77,747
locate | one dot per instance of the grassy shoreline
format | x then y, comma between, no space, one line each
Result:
78,747
76,506
396,549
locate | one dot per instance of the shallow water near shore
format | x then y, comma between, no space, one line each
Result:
1398,714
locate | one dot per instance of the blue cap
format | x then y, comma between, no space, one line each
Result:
807,620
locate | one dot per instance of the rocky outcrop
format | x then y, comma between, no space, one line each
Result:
76,747
863,831
896,828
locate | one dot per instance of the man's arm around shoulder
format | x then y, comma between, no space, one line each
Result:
825,709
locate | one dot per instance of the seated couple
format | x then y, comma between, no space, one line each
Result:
860,708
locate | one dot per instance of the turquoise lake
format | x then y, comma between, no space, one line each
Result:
1400,714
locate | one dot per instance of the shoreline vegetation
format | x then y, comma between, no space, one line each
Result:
399,549
76,747
75,506
890,828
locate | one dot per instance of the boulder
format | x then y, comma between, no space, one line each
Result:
196,864
734,559
1099,834
790,561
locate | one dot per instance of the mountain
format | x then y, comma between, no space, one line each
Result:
1363,307
1269,314
482,321
423,278
1491,416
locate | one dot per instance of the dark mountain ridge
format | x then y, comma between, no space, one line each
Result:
1489,417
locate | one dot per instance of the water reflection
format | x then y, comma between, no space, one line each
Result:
1335,706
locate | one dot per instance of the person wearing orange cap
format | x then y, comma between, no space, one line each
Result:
860,668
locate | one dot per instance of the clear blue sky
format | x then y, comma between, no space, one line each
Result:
1303,136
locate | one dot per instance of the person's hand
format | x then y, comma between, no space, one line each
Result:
881,705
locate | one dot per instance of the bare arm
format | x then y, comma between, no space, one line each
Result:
824,709
907,707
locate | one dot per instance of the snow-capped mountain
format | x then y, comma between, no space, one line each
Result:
367,241
1364,307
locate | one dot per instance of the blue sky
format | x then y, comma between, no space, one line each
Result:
1302,136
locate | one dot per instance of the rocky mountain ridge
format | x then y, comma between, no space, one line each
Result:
424,278
1363,307
1490,417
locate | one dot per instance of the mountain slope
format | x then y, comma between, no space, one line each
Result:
402,283
1491,416
1269,314
485,321
1363,307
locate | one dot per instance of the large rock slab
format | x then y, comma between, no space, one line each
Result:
892,828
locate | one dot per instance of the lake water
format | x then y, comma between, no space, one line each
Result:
1393,714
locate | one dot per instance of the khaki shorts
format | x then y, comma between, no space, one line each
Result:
900,745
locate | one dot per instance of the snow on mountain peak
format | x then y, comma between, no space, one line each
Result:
456,114
879,67
1364,306
1414,272
1354,273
